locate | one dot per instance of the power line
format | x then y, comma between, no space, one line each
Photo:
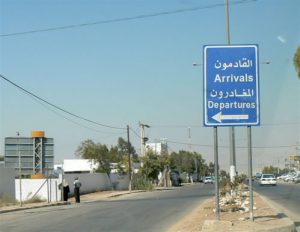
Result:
59,108
179,11
70,120
241,147
134,132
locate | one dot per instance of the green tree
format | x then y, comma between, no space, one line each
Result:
151,165
98,152
270,170
123,149
297,61
190,162
210,169
224,174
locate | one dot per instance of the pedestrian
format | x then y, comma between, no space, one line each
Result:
66,190
77,185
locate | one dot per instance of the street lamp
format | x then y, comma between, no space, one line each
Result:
143,138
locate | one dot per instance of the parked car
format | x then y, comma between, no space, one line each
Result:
175,178
208,180
289,177
268,179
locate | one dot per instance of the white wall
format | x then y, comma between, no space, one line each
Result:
90,182
49,191
46,190
119,182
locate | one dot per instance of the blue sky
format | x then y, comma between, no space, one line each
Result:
120,73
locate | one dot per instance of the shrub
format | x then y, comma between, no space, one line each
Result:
35,199
7,200
140,182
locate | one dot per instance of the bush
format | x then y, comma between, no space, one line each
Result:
6,200
35,199
140,182
227,186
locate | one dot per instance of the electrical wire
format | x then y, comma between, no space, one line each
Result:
241,147
70,120
59,108
124,19
134,132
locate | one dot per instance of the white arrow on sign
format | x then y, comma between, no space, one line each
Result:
219,117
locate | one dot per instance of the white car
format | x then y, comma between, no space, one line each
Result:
268,179
208,180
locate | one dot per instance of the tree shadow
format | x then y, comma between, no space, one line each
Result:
270,217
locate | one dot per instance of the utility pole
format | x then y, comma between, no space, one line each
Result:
129,159
189,136
143,138
232,171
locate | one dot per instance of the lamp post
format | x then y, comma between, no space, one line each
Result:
143,138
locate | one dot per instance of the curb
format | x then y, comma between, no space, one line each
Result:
34,207
215,225
292,227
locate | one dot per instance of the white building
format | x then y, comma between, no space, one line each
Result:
77,166
157,148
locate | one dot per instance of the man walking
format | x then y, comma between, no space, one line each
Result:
77,185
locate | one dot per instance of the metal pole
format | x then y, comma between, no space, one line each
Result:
142,137
232,171
227,22
129,159
216,173
20,174
20,178
47,179
250,170
50,191
56,191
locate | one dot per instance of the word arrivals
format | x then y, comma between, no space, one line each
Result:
233,78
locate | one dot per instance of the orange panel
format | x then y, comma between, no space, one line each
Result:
38,134
37,176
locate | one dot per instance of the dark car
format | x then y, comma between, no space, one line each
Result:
175,178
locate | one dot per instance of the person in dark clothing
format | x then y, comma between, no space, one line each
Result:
66,190
77,185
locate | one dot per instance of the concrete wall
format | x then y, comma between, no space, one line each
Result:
119,182
90,182
48,190
42,188
7,182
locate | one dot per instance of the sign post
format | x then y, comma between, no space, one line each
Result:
231,96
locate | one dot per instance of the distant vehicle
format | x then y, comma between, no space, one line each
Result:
268,179
175,178
289,177
208,180
258,175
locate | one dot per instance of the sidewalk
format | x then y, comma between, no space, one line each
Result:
83,198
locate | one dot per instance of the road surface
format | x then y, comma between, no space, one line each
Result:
147,211
284,196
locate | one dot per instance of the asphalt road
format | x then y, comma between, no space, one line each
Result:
284,196
148,211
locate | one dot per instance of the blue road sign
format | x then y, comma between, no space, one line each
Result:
231,86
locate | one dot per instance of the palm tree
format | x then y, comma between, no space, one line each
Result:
297,61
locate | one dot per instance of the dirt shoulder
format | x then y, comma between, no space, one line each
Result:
203,219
